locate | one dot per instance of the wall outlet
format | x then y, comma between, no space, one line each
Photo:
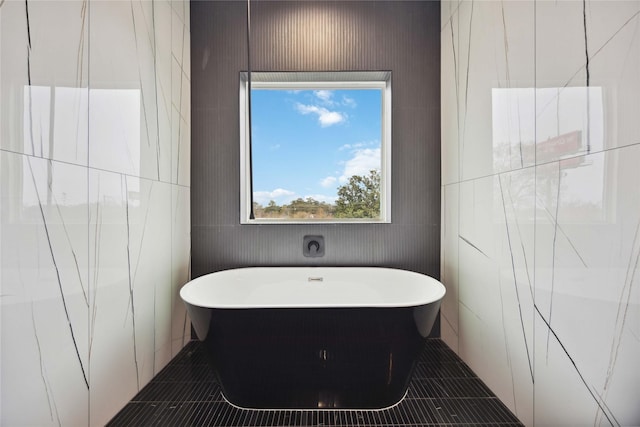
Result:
313,246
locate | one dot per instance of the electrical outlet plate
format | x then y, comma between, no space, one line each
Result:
309,244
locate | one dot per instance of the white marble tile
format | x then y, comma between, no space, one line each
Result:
568,393
513,127
477,214
615,69
495,50
513,113
163,34
495,284
618,13
44,69
478,280
116,130
149,224
564,233
449,335
123,101
55,123
181,263
570,122
461,38
562,47
560,52
176,83
43,235
187,20
130,244
560,396
164,59
186,49
158,223
514,208
165,140
179,32
587,251
449,261
601,117
490,354
449,116
114,371
185,96
89,272
181,149
179,10
448,9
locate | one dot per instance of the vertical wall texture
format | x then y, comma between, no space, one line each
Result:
94,208
399,36
541,207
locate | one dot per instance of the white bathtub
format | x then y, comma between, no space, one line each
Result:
313,337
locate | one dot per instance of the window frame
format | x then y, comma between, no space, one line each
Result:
338,80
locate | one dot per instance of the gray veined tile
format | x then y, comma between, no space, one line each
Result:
110,287
450,104
43,222
126,135
181,263
491,71
180,149
599,58
597,246
78,243
448,9
130,251
44,80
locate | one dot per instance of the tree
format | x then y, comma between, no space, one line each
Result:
272,209
308,208
360,197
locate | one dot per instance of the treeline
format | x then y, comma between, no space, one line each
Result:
308,208
359,198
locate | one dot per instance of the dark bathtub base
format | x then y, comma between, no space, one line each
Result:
354,358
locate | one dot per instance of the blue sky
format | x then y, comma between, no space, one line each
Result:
306,143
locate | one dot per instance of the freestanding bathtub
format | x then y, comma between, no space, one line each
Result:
313,337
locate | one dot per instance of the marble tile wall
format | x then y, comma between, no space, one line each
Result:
541,204
94,203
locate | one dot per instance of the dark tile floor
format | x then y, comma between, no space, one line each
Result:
443,391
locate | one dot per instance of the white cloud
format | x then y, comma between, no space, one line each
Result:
324,95
349,102
274,147
362,162
280,195
325,117
331,118
359,145
328,181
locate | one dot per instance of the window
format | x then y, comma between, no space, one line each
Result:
320,147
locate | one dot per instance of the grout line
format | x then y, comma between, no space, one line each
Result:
64,162
606,150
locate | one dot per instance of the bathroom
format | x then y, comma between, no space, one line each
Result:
516,146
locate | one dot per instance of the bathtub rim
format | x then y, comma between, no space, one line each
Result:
193,293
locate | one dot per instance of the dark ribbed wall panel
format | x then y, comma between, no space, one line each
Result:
403,37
